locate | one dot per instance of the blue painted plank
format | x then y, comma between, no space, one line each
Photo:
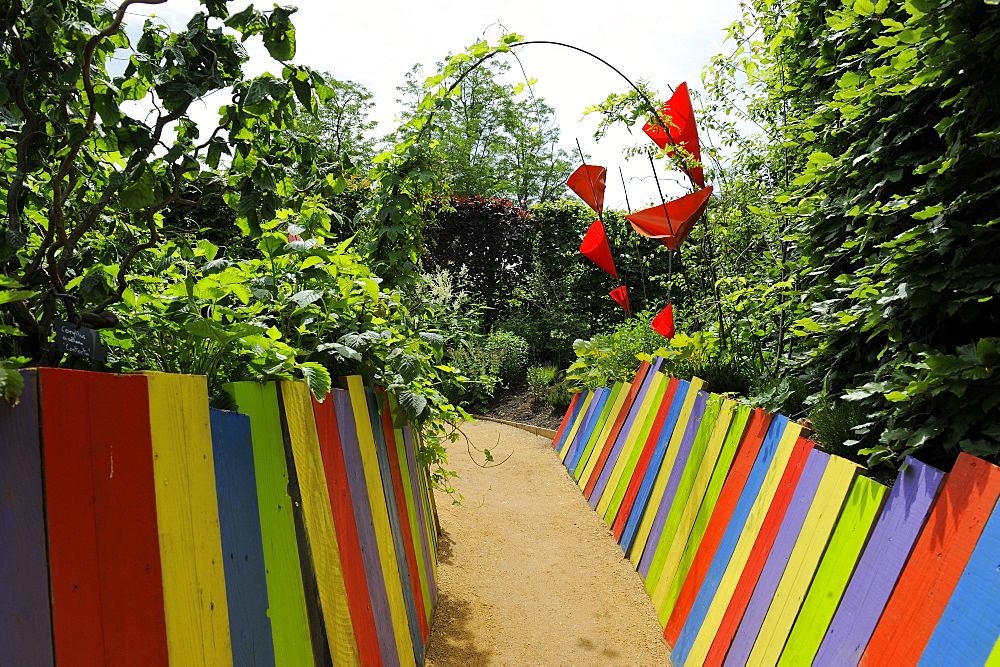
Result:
572,420
584,435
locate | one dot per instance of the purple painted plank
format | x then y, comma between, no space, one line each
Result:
616,449
366,527
777,559
421,512
587,425
25,625
879,566
683,451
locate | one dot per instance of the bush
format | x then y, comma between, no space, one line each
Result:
487,362
540,378
559,396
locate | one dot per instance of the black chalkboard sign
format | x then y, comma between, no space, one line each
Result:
79,341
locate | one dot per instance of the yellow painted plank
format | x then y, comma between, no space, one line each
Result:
577,424
194,584
635,437
692,504
380,517
713,618
583,473
802,563
663,474
318,518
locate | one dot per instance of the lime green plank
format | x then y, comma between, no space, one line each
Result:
577,424
583,473
602,421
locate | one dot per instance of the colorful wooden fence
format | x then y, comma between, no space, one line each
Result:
140,527
757,548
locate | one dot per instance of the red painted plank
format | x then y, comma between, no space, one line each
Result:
404,516
107,594
728,498
352,561
760,551
616,428
936,563
632,491
565,419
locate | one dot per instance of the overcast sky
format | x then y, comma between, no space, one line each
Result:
376,42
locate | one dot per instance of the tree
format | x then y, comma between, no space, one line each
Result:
340,124
493,140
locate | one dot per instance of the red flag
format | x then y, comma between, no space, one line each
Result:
663,323
588,182
678,114
620,294
671,226
595,247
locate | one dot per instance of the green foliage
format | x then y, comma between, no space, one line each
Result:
559,395
540,379
613,357
493,359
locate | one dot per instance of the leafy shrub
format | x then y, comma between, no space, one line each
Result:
540,378
608,358
559,396
486,363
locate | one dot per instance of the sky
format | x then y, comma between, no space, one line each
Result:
376,42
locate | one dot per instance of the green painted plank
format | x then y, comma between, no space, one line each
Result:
595,436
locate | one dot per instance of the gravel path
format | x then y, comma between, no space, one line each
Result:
529,573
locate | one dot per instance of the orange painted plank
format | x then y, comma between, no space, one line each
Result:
936,563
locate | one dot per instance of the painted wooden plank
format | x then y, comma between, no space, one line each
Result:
734,549
574,404
729,429
786,602
578,421
642,450
396,523
715,519
592,473
194,583
630,422
994,659
285,588
939,556
645,486
421,545
25,624
590,424
970,623
397,461
317,515
878,569
417,472
361,506
661,475
377,496
618,409
582,455
242,546
853,527
633,440
699,430
773,545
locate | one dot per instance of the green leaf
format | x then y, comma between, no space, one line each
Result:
317,377
9,296
414,404
279,35
307,296
408,367
140,193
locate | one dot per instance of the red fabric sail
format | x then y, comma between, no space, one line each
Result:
589,182
595,247
671,226
681,129
663,323
620,294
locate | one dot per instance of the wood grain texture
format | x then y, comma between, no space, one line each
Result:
574,404
938,559
632,443
619,407
715,520
873,579
575,448
704,493
317,514
242,546
361,506
574,428
579,459
787,600
734,548
380,510
592,473
853,527
25,624
645,486
772,547
285,589
661,476
970,623
635,476
194,582
700,427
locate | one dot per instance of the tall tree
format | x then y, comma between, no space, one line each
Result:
340,124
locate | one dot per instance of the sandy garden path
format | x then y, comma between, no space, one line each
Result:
529,573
